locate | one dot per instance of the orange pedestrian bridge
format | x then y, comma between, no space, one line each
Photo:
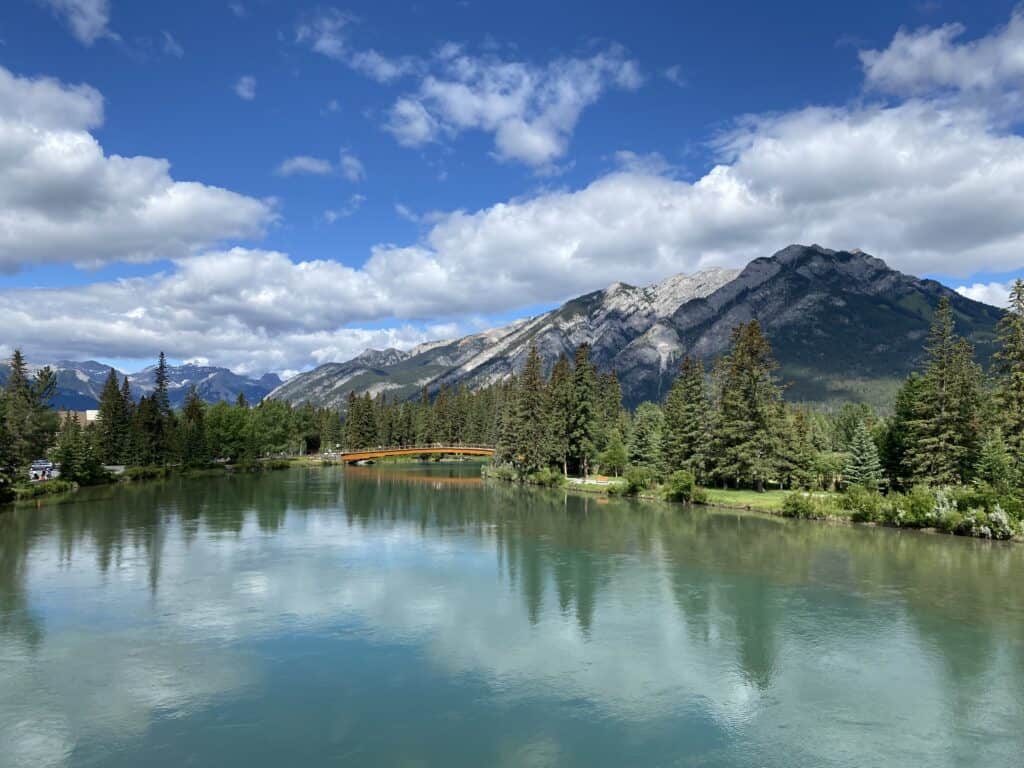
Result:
369,454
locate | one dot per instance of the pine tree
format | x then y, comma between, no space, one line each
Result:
646,436
160,393
942,439
863,467
30,421
745,437
77,453
529,425
995,465
195,450
112,424
684,437
1009,371
797,455
583,418
8,461
559,411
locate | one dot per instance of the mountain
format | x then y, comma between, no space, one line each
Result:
844,326
212,384
79,383
609,320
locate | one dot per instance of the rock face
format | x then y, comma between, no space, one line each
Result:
79,384
844,326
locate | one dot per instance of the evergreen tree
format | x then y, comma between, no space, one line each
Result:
646,436
240,401
1009,370
943,428
30,421
863,467
995,465
583,418
559,412
684,437
896,442
797,460
113,427
194,447
529,417
745,437
161,395
8,461
77,453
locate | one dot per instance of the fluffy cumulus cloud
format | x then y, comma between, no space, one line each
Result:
531,110
63,199
251,310
930,59
87,19
996,294
932,184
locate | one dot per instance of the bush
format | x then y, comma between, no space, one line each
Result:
44,488
681,486
799,505
864,505
638,479
910,510
547,477
700,496
145,473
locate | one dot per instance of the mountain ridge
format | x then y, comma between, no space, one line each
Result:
844,326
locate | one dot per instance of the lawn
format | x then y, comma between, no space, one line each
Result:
770,501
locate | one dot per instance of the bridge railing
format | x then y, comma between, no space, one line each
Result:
413,447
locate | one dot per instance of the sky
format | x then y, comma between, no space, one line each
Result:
270,186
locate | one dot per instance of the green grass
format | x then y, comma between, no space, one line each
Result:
769,501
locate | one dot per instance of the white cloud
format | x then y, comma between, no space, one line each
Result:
172,47
381,68
531,110
351,167
674,75
62,199
996,294
246,87
324,32
355,202
238,9
88,19
930,59
305,164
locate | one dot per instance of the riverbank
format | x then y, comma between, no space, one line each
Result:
960,511
58,488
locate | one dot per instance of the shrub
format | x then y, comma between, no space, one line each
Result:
864,505
145,473
700,496
638,479
548,477
44,488
681,486
799,505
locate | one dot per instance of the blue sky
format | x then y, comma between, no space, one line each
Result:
458,157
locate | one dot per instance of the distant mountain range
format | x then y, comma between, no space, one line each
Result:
844,326
79,383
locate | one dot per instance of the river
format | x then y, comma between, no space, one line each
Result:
413,615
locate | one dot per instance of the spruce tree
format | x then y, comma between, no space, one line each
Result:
943,430
684,437
745,438
646,436
31,422
529,426
583,418
995,466
1009,371
112,423
559,412
8,461
863,467
193,443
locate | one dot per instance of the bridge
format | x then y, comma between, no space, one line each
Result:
369,454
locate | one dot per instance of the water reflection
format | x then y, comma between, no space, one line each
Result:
567,630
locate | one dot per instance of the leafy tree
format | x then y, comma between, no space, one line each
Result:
614,458
863,466
684,436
